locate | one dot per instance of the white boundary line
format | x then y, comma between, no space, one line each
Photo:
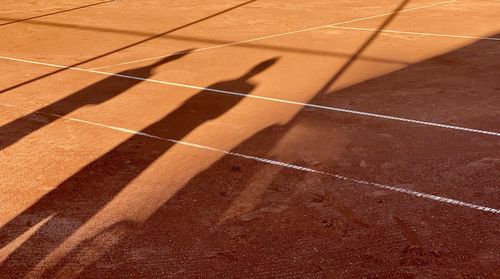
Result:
271,99
281,34
282,164
417,33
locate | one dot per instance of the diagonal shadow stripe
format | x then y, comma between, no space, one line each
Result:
125,47
54,13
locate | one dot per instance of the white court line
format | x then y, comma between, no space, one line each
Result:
271,99
417,33
281,34
281,164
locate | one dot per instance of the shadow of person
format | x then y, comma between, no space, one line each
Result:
182,239
82,195
95,94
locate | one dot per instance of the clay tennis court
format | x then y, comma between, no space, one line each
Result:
250,139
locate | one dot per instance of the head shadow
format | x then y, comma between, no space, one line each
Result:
148,70
259,68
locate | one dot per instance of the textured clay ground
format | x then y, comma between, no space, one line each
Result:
82,195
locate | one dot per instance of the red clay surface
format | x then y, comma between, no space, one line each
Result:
92,185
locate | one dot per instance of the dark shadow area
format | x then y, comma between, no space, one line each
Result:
81,196
54,13
95,94
309,226
122,48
